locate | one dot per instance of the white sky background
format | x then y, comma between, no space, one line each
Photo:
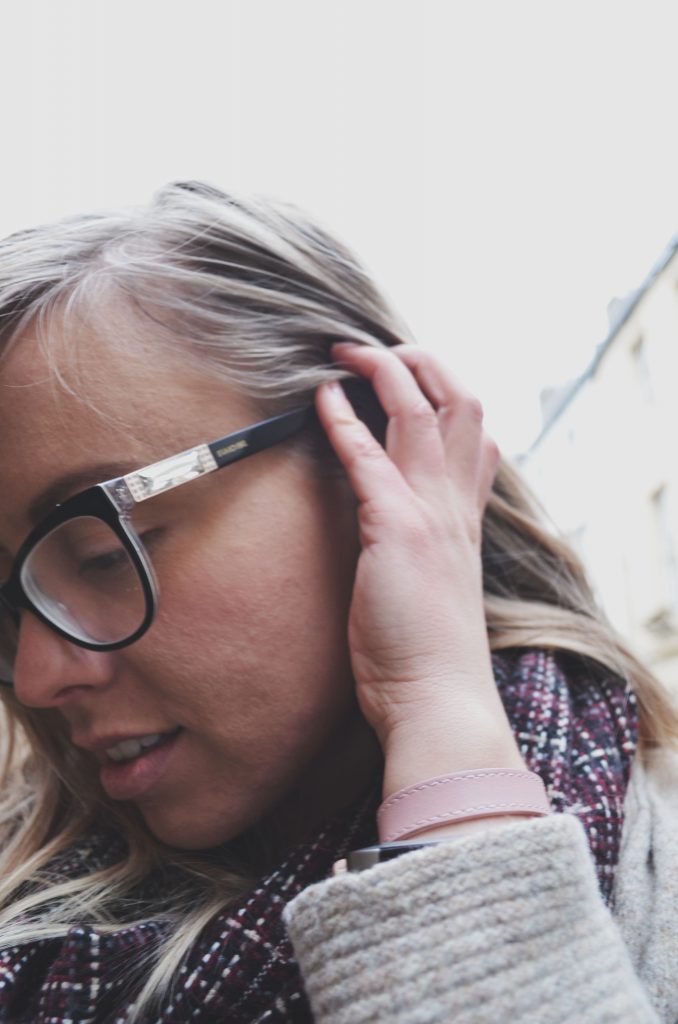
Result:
504,168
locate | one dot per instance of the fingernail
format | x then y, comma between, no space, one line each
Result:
335,387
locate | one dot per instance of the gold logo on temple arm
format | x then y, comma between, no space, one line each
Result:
230,448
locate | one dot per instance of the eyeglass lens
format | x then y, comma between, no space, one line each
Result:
82,579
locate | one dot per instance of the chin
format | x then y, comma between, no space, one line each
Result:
183,829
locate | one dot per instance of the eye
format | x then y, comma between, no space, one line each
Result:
116,558
104,562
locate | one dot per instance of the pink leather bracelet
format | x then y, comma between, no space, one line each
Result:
480,793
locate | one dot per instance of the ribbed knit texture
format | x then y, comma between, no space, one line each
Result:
646,893
505,926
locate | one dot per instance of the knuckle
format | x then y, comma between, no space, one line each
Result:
474,408
491,450
374,516
463,405
422,529
411,354
364,446
406,525
422,414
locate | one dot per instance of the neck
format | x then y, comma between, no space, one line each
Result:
349,762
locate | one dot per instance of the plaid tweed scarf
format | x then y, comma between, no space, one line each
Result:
576,730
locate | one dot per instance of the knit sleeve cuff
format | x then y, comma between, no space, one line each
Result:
503,925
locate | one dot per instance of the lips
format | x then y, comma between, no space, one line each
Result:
134,774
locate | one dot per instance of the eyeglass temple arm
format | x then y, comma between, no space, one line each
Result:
260,436
127,491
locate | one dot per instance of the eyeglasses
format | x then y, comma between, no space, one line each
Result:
84,571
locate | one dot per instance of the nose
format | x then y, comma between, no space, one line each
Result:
50,671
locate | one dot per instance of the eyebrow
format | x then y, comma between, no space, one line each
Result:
70,483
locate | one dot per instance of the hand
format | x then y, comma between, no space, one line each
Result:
417,631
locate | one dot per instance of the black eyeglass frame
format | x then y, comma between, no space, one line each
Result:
112,501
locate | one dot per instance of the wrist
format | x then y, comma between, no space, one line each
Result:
427,748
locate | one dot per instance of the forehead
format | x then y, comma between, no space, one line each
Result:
117,402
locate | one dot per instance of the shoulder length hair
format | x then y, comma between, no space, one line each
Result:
257,292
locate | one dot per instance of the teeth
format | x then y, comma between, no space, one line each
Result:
128,749
149,741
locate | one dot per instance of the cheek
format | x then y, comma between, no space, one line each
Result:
249,652
261,631
282,578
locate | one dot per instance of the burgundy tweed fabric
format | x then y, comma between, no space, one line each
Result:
577,731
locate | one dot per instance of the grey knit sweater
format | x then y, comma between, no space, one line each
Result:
505,926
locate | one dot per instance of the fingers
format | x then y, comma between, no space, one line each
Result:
371,473
434,432
468,448
413,439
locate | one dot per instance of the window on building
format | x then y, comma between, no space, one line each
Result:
666,538
642,369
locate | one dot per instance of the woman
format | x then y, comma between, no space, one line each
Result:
216,677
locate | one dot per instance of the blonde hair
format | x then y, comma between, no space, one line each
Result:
259,292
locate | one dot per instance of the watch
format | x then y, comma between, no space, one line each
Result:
362,860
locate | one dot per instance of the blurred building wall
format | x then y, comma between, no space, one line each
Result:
605,467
